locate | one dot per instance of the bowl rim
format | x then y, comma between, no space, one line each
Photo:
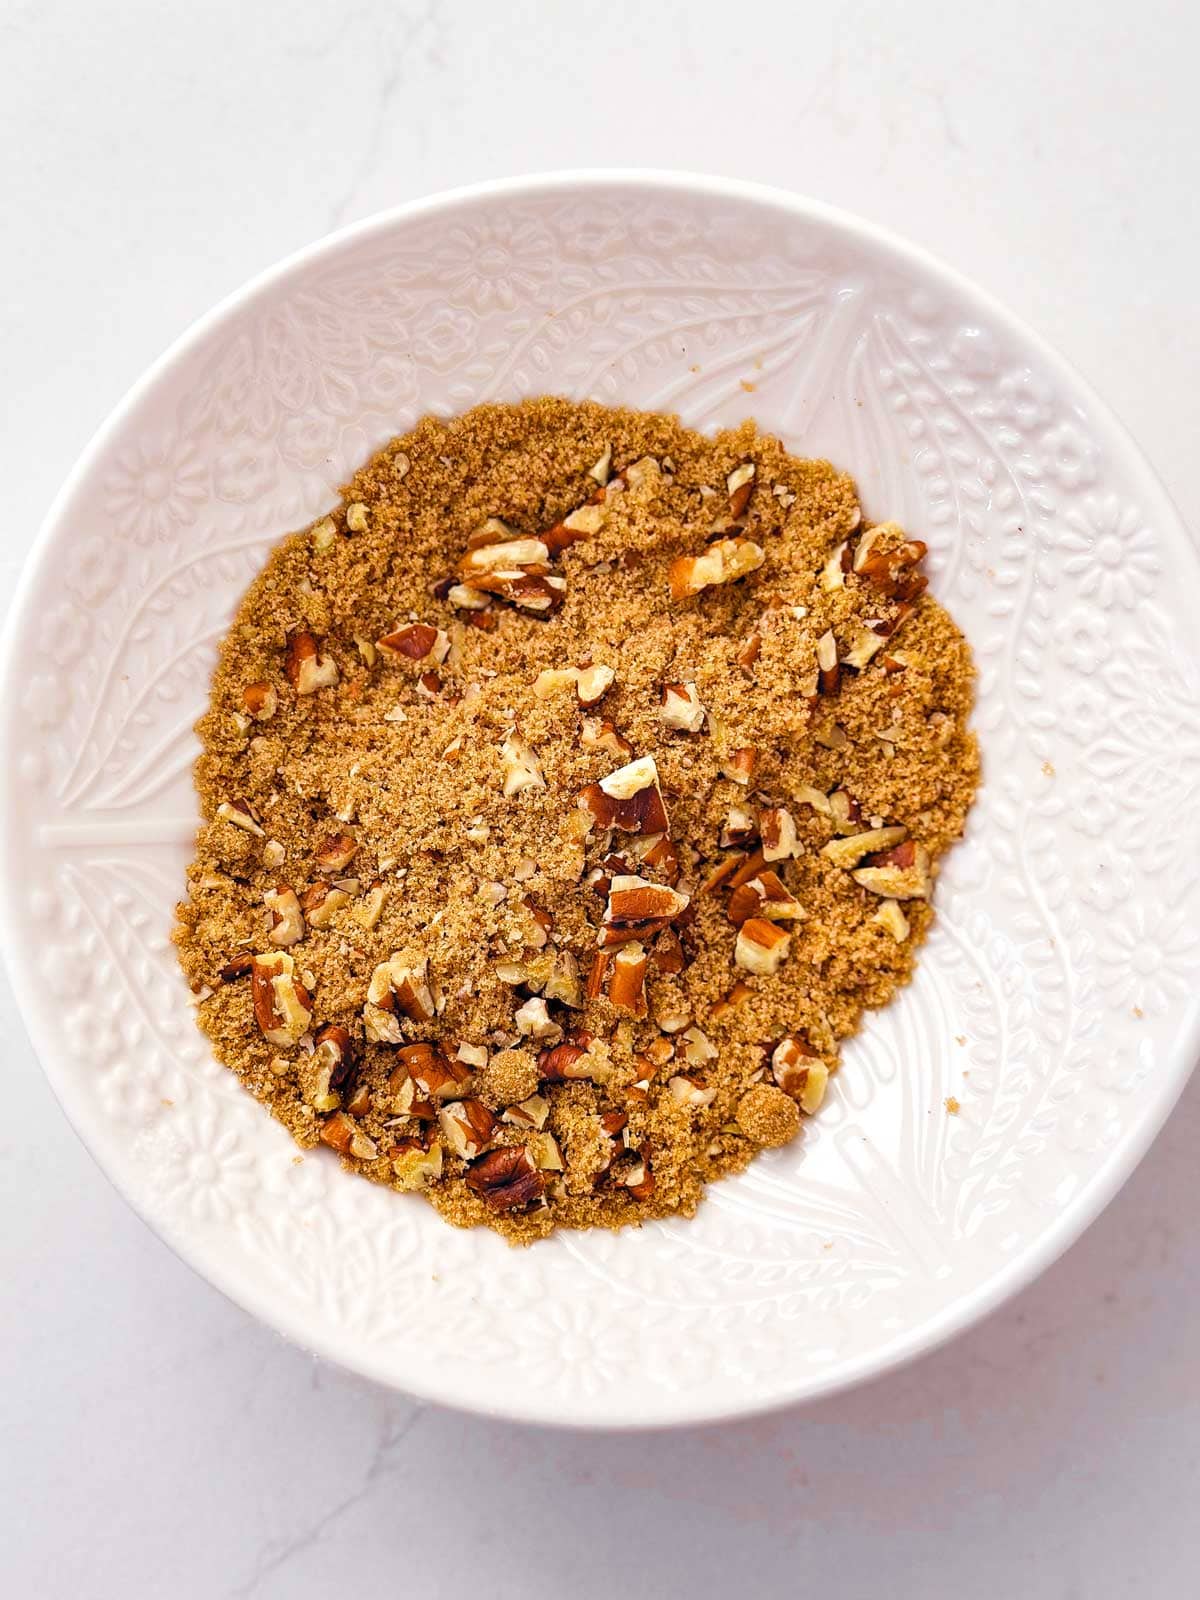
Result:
926,1337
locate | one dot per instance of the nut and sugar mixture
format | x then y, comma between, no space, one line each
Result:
568,794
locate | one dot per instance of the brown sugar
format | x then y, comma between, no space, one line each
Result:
568,794
767,1116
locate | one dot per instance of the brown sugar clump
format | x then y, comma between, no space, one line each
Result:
768,1116
569,792
509,1077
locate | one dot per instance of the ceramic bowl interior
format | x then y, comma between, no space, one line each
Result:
1056,1000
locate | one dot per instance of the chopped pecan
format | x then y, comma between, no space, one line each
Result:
790,1062
467,1127
748,653
740,485
418,642
833,573
725,561
629,799
241,815
667,955
539,592
528,1113
850,851
342,1133
282,1005
494,545
761,947
638,1179
507,1179
321,901
561,1062
662,855
397,985
413,1166
764,896
636,908
830,674
681,708
741,827
891,917
777,831
688,1091
306,668
627,983
581,523
563,983
749,867
287,920
865,645
737,994
534,1021
721,875
522,770
260,700
434,1075
898,874
334,1048
740,765
591,684
336,851
600,734
891,566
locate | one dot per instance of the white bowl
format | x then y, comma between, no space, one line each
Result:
1056,1000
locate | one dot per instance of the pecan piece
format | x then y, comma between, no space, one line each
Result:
638,1179
667,955
418,642
627,983
561,1063
681,708
725,561
508,1179
899,874
306,668
344,1135
740,486
763,896
830,674
321,901
635,903
600,734
336,851
522,769
467,1127
434,1076
777,831
739,768
892,569
791,1060
282,1005
412,1165
761,947
260,700
287,919
241,815
850,851
629,798
397,985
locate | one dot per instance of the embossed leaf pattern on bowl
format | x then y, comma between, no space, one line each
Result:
1060,979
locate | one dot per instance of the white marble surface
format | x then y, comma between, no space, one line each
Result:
153,1440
